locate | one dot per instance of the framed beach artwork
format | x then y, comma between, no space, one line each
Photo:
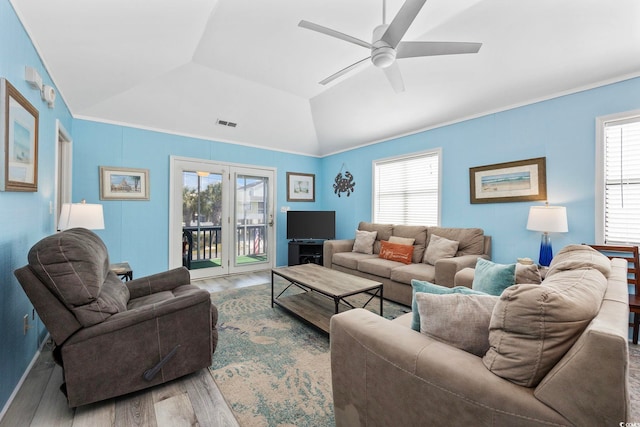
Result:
124,183
519,181
301,187
19,130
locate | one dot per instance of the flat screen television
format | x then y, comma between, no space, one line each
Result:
302,225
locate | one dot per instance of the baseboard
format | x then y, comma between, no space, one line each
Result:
24,377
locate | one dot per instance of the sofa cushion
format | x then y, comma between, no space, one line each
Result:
471,240
364,240
493,278
396,252
350,259
572,257
384,232
378,266
421,286
416,232
457,319
439,248
533,326
528,274
406,273
402,240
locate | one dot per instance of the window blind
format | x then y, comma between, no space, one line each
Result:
622,181
406,190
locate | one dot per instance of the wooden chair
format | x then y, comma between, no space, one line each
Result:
630,253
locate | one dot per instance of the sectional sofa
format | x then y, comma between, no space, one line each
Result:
396,276
556,353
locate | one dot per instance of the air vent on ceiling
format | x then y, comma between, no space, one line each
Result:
226,123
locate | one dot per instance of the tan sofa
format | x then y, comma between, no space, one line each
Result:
384,373
396,276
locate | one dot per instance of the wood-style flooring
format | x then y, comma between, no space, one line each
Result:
193,400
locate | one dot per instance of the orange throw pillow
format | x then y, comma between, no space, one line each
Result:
396,252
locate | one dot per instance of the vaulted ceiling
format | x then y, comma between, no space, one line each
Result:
181,66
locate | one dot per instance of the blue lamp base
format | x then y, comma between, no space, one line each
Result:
546,253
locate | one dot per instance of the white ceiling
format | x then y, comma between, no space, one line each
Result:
177,66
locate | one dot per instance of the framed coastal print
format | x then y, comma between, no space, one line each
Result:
19,130
301,187
519,181
124,183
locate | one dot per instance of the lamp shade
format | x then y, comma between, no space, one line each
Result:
548,219
83,215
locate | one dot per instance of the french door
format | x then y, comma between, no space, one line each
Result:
221,217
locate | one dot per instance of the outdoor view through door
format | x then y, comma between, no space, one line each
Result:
204,228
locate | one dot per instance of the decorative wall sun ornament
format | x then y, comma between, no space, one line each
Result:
344,183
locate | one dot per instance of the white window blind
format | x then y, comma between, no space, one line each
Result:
622,181
407,190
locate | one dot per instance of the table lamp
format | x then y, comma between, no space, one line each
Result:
548,219
81,214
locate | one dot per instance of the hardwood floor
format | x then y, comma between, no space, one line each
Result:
193,400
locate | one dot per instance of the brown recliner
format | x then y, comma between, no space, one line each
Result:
111,337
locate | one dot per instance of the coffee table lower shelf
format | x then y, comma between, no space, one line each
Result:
311,307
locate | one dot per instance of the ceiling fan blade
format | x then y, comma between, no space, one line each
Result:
402,22
413,49
333,33
344,71
395,77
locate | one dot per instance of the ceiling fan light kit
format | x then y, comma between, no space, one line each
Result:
386,44
382,55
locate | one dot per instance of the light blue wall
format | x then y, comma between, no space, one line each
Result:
560,129
24,217
137,231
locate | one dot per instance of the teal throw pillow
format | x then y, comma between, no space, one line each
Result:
492,278
430,288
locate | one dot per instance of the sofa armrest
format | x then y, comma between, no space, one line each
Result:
384,373
118,321
331,247
165,281
447,268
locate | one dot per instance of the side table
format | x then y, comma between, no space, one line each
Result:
123,270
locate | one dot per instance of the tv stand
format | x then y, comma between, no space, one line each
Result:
305,252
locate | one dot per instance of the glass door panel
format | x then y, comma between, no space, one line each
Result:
202,241
253,219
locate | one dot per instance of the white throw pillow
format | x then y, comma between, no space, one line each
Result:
440,248
364,241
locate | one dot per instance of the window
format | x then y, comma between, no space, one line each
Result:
406,190
618,165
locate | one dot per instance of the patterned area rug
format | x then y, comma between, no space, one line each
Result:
272,368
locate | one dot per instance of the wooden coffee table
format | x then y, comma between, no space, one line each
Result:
324,293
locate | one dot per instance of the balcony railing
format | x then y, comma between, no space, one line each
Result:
206,241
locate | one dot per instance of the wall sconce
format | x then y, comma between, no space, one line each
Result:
83,214
47,93
548,219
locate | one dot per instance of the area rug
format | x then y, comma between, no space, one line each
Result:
272,368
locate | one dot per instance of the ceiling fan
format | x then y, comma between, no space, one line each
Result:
386,45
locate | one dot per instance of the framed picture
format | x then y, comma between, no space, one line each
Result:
520,181
19,130
301,187
124,183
